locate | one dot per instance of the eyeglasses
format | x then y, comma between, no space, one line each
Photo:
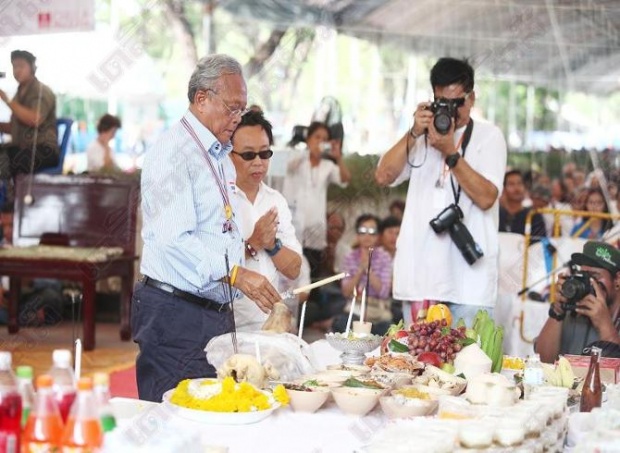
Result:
457,102
249,155
232,112
364,230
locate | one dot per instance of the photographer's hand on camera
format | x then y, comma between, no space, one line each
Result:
444,143
422,118
594,306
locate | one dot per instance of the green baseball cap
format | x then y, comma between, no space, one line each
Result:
598,254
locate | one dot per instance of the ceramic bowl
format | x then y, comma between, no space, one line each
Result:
302,401
402,407
356,401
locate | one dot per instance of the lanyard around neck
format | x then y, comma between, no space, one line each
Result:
219,177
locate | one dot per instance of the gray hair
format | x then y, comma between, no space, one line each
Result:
208,70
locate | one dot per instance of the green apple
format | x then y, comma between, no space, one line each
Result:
471,333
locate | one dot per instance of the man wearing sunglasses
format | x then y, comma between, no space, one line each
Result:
460,165
193,260
265,222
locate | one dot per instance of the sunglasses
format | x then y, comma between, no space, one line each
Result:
249,155
364,230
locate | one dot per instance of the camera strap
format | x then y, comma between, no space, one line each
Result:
464,143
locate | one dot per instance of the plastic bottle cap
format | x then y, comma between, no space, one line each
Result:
5,360
24,372
44,381
101,379
85,383
62,358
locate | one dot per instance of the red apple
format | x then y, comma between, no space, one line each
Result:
432,358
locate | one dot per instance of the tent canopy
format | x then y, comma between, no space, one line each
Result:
569,44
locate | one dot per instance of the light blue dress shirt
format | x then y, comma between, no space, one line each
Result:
183,213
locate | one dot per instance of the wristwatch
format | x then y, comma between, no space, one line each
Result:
276,248
452,159
555,315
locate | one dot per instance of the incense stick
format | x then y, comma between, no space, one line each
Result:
230,300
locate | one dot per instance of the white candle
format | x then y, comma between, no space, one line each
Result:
353,300
363,306
257,349
78,358
302,319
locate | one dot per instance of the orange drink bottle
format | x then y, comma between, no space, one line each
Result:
44,426
83,432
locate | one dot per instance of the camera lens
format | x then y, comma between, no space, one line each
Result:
572,288
442,123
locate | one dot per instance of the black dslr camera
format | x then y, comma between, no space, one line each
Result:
450,219
576,287
444,111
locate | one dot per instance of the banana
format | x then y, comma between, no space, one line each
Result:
497,352
479,320
487,330
567,376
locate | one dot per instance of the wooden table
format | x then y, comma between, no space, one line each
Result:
92,220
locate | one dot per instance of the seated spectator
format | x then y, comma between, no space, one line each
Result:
397,209
32,125
389,229
327,301
99,156
560,201
512,214
592,318
592,227
378,280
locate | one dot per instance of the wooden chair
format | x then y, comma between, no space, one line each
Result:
96,216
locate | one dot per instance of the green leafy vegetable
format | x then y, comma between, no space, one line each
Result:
397,346
352,382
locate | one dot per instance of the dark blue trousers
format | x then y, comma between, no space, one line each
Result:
172,334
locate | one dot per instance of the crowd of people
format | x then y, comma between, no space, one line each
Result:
221,246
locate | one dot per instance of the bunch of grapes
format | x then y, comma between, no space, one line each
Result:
436,337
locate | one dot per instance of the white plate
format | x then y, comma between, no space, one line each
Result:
219,418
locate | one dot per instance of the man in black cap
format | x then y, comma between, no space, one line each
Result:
32,126
595,317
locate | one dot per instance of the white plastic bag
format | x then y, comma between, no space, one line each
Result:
289,355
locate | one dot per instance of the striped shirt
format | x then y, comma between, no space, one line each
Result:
183,212
381,266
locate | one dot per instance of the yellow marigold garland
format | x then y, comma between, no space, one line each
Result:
233,397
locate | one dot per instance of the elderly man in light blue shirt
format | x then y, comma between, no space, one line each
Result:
193,256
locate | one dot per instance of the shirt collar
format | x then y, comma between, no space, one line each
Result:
210,142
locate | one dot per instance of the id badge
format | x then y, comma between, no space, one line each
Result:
439,198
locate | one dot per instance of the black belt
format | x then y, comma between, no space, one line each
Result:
206,303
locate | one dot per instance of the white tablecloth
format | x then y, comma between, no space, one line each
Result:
284,431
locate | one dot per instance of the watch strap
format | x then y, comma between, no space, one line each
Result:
555,315
276,248
452,160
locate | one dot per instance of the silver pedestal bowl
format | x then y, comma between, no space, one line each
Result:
354,349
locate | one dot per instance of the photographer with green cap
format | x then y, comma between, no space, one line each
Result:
588,307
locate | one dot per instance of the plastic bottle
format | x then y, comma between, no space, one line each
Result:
592,394
26,390
102,394
43,429
64,381
10,407
533,375
83,431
